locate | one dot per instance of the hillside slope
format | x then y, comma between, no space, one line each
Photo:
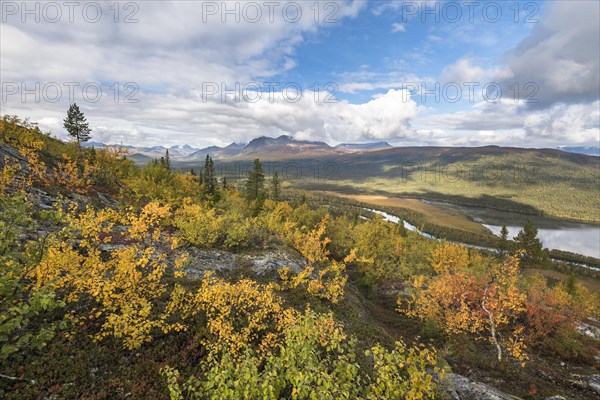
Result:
125,282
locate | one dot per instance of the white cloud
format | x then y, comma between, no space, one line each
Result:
515,124
175,119
562,54
397,27
393,75
576,123
182,49
409,9
170,58
466,70
561,58
488,116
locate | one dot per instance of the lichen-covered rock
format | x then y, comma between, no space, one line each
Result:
202,260
272,261
13,155
107,201
463,388
594,382
42,199
589,330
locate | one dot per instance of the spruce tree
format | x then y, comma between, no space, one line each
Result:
527,240
504,238
208,176
275,187
571,285
256,181
76,124
167,160
259,203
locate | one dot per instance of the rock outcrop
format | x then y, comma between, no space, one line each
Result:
463,388
589,330
594,382
261,264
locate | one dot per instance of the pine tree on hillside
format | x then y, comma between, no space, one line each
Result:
167,160
527,240
208,176
259,203
76,124
275,187
504,238
256,181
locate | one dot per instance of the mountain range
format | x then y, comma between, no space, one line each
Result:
267,148
281,148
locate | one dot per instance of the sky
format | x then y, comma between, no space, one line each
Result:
443,73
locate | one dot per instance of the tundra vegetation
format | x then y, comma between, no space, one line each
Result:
98,299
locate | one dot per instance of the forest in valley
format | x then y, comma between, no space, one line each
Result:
122,281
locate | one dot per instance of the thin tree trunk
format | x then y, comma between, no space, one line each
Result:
492,323
15,379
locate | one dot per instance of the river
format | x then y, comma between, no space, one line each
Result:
554,234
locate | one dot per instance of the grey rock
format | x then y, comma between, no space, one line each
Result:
555,398
272,261
109,202
13,156
589,330
201,261
41,199
594,382
579,381
111,247
462,388
81,200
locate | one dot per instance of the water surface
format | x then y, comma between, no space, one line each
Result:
557,234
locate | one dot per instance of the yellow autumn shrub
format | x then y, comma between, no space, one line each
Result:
312,244
67,174
449,257
237,314
490,307
198,224
118,290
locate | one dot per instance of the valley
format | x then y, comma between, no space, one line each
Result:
173,273
446,187
554,233
544,182
331,200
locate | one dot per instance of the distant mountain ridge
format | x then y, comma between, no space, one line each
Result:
283,147
364,146
150,152
589,150
262,147
286,147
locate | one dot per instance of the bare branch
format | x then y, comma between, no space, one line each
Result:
15,379
492,322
